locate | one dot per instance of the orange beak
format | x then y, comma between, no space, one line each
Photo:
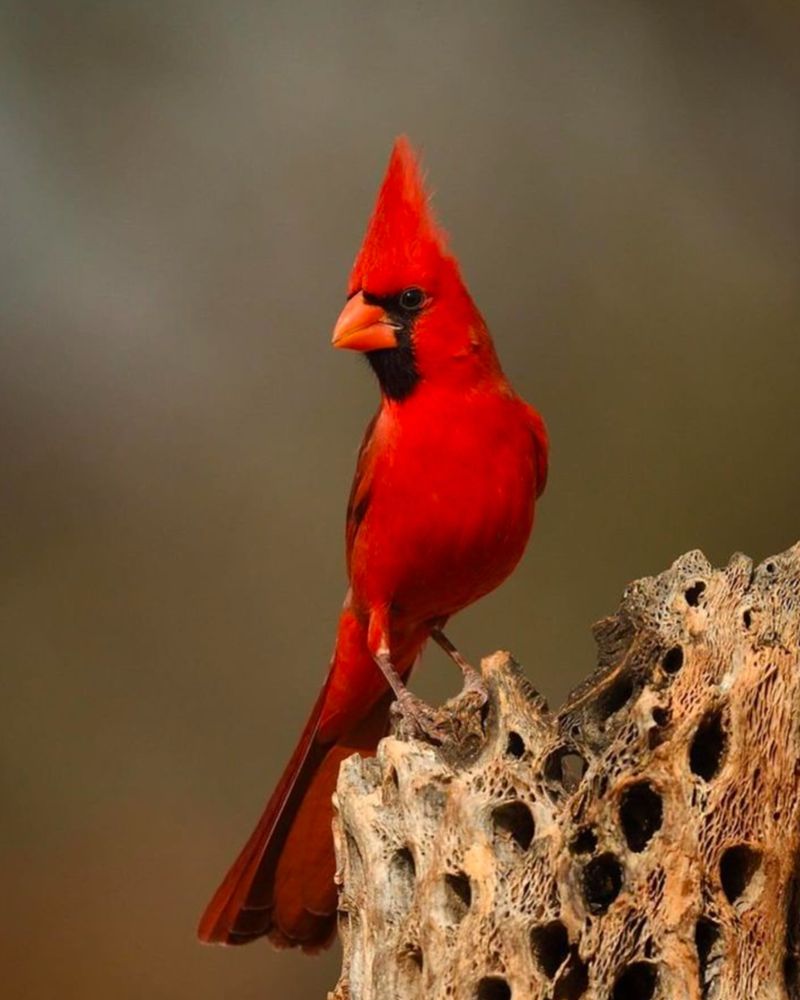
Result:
364,327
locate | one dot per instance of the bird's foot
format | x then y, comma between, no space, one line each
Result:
420,717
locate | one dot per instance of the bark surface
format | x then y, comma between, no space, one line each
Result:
641,842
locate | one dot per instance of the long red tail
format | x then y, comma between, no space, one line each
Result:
281,884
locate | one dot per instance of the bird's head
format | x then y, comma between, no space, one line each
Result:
408,309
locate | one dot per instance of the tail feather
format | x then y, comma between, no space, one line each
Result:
241,908
281,884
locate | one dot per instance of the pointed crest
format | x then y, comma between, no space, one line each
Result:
403,246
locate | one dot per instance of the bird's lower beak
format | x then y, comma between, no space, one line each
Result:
364,327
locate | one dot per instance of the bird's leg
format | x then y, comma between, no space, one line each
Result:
411,707
472,678
404,697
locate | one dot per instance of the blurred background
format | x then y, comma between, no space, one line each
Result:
185,185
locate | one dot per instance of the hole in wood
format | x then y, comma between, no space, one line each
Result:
573,980
694,593
791,960
515,821
707,750
637,982
566,767
656,733
791,974
706,937
515,747
660,715
573,768
550,946
584,841
402,873
738,867
747,618
617,695
672,661
641,813
493,988
409,968
414,955
458,896
602,881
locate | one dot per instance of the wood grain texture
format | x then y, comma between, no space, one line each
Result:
641,842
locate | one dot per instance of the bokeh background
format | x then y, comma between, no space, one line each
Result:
184,186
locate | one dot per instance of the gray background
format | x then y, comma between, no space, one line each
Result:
184,188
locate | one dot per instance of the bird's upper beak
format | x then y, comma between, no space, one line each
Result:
362,326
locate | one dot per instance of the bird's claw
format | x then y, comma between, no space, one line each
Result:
419,715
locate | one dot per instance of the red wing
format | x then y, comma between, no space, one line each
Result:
540,448
360,490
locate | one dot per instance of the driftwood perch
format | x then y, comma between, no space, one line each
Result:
640,843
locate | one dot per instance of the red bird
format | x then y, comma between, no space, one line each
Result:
440,512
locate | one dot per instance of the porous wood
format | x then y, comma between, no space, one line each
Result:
642,842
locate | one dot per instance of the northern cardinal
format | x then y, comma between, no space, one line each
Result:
440,512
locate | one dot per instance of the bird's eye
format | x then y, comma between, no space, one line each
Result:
412,299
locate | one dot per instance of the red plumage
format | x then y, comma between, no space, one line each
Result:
440,512
402,240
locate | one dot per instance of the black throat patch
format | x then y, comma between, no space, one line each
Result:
395,367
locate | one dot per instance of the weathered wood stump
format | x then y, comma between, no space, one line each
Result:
640,843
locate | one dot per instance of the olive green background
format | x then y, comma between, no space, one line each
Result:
184,186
